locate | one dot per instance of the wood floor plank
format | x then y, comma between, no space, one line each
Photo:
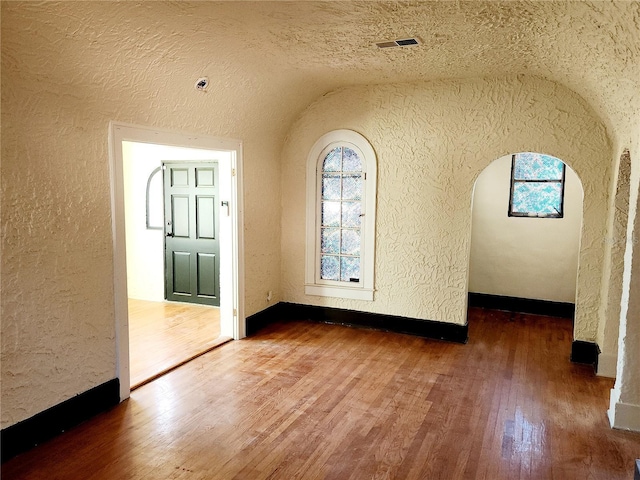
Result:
304,400
163,335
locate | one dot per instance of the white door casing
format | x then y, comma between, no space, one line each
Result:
232,320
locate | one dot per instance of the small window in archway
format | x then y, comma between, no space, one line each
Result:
537,186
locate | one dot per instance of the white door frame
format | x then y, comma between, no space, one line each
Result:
118,132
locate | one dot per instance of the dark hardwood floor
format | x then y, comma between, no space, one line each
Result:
310,401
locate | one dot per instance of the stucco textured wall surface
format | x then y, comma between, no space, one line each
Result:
59,92
432,141
627,385
615,243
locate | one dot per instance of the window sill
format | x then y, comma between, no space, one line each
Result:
339,292
534,215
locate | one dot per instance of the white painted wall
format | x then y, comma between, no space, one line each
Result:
145,248
523,257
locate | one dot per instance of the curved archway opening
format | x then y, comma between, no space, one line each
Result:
526,262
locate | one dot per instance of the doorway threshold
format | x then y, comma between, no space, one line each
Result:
212,346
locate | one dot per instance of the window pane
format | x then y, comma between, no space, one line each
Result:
351,214
351,161
341,209
333,161
330,214
535,166
330,267
352,187
536,198
330,241
331,187
350,242
350,268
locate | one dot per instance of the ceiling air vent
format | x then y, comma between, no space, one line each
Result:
405,42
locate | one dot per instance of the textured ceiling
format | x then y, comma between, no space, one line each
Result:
279,56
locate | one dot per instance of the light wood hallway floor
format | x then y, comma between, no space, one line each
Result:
305,400
164,335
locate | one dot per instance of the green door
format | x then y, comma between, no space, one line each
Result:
192,246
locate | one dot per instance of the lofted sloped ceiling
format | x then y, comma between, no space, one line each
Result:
271,59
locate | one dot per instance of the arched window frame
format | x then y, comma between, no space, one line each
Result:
314,285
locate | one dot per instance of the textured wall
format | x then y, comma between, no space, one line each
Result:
626,391
615,244
432,141
58,325
523,257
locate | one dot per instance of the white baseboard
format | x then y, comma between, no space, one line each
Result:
607,365
623,416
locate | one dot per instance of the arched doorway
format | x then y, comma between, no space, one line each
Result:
524,254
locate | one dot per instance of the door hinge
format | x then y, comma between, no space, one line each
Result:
233,172
235,312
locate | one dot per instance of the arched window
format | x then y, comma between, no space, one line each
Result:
341,199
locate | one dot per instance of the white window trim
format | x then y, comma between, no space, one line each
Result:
326,288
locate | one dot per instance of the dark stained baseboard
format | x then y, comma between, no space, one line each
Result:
522,305
581,352
45,425
292,311
585,352
259,320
